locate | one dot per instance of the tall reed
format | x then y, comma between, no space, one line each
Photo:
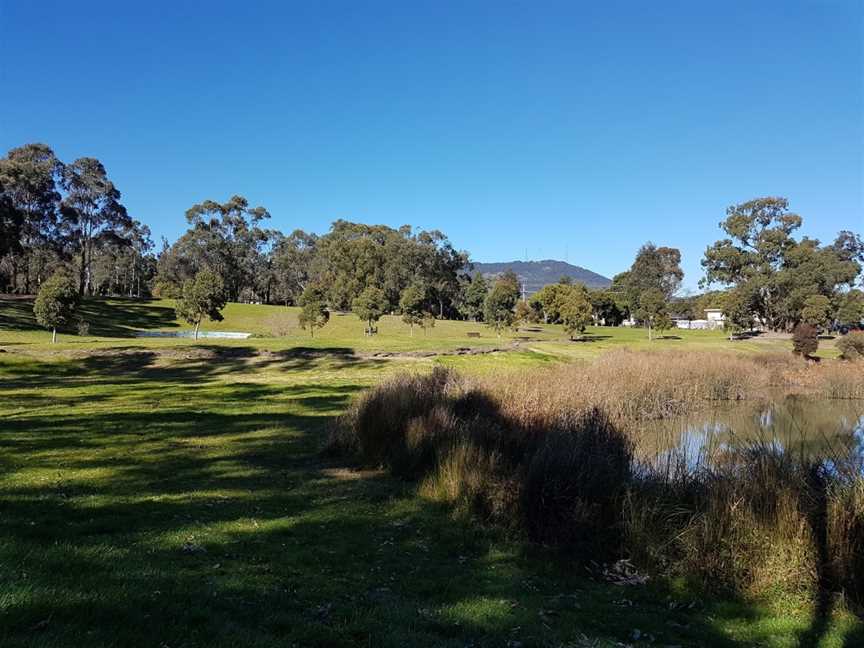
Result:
550,454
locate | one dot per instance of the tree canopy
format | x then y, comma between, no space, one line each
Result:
203,296
56,302
762,258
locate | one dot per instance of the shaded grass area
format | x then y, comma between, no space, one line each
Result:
180,500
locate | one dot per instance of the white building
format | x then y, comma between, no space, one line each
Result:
714,319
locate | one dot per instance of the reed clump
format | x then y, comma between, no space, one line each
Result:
550,455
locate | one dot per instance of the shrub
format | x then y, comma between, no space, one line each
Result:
574,485
805,339
851,345
83,327
281,324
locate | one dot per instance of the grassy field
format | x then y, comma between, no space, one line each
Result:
276,327
168,493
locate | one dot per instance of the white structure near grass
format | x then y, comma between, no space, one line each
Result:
714,319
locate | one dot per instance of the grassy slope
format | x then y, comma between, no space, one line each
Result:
111,319
172,494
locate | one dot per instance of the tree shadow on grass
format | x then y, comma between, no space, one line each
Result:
189,365
122,317
212,520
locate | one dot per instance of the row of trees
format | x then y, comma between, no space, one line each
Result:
54,214
263,265
69,215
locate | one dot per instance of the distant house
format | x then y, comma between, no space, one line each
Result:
715,315
714,319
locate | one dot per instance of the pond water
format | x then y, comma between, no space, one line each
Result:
811,428
232,335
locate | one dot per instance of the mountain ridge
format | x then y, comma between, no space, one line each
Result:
536,274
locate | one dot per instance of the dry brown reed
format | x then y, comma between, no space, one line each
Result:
549,453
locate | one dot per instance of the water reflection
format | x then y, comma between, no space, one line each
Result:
820,430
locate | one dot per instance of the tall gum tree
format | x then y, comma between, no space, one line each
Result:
91,209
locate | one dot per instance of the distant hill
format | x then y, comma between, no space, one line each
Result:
536,274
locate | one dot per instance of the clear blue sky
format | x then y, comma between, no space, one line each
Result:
574,128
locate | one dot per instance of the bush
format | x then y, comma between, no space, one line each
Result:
574,486
851,345
282,324
83,327
805,339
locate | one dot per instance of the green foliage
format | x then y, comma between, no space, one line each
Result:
762,257
411,303
227,238
851,345
608,308
738,310
651,309
353,255
475,297
523,314
94,212
56,302
369,305
576,312
498,311
164,289
656,269
313,309
427,323
203,296
851,310
817,311
805,339
547,301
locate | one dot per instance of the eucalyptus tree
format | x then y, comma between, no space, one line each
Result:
352,256
232,241
30,181
123,261
91,211
474,291
652,310
575,309
654,269
411,304
293,256
369,306
761,255
498,311
227,238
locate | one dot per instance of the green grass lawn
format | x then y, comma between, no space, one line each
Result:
167,493
276,327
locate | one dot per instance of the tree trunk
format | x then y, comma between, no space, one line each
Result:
81,272
53,335
197,324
